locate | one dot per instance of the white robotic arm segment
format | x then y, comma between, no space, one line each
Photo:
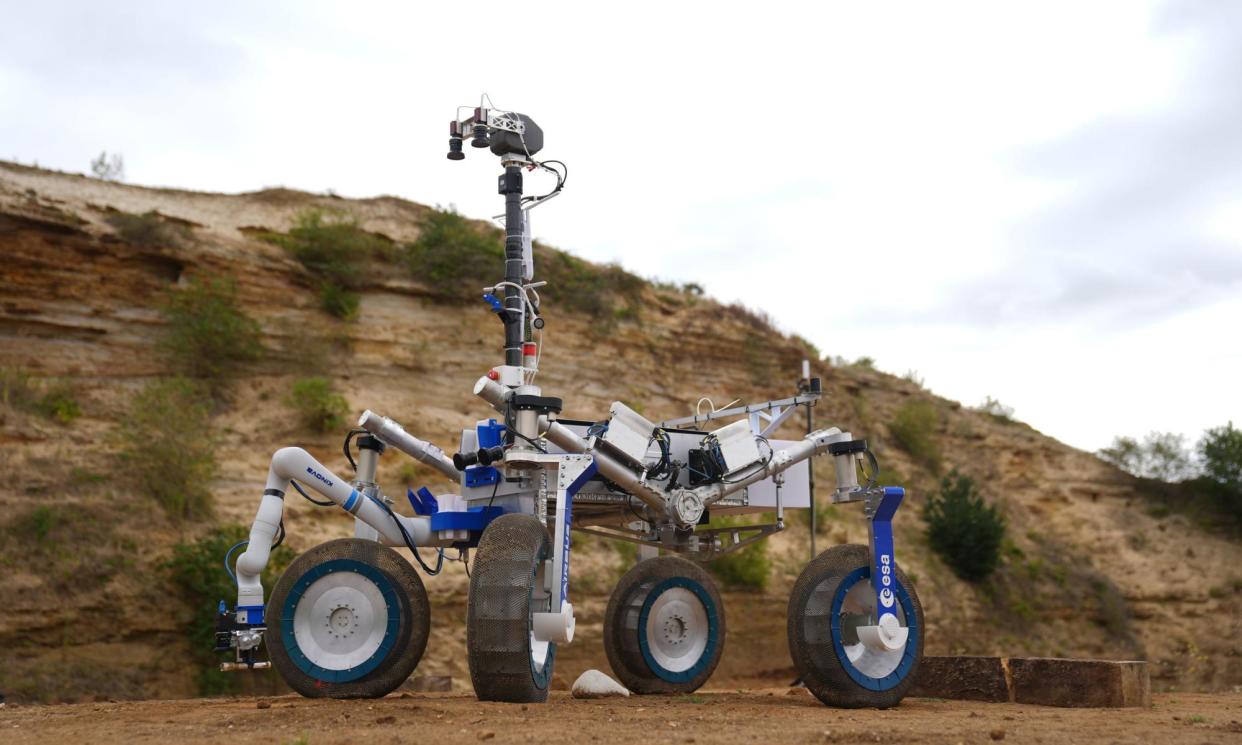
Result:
296,463
421,450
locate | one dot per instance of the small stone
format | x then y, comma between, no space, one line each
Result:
386,720
594,684
263,705
997,734
486,735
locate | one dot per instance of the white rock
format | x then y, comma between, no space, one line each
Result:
594,684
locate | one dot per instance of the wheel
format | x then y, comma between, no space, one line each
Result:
664,629
348,619
832,598
506,661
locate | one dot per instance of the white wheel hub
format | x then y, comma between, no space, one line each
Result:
875,649
341,620
677,629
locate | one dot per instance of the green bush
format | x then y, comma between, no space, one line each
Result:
333,247
747,567
913,428
1220,451
167,447
966,532
148,229
197,569
454,257
209,336
60,404
320,408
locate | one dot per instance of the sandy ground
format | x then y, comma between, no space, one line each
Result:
756,715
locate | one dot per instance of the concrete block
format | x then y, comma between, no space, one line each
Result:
961,678
1087,683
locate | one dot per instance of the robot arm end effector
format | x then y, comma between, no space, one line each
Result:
847,453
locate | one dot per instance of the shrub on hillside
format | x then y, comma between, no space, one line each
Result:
605,294
59,403
209,335
747,567
167,447
996,410
320,408
964,530
198,572
333,247
1220,451
455,257
1161,456
913,427
148,229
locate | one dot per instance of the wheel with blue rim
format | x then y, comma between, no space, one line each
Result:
348,619
832,624
664,628
507,663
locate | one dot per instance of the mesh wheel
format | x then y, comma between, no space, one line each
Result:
348,619
664,629
506,662
832,597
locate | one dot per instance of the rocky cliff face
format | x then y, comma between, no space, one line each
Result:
1089,569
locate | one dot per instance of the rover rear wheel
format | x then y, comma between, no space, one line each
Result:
664,629
831,608
348,619
507,663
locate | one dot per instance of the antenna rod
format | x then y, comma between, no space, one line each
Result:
511,187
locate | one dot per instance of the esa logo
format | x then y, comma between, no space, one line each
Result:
886,579
318,475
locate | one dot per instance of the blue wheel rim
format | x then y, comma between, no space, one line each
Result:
908,657
713,630
289,608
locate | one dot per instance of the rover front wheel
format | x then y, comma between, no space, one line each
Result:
831,626
664,628
507,663
348,619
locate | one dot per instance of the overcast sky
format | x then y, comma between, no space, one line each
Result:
1040,202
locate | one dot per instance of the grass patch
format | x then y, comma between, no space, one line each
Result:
73,548
333,247
913,428
209,336
149,229
54,400
197,570
167,448
319,407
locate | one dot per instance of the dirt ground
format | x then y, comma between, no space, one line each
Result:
756,715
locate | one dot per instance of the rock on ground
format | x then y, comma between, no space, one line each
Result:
594,684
